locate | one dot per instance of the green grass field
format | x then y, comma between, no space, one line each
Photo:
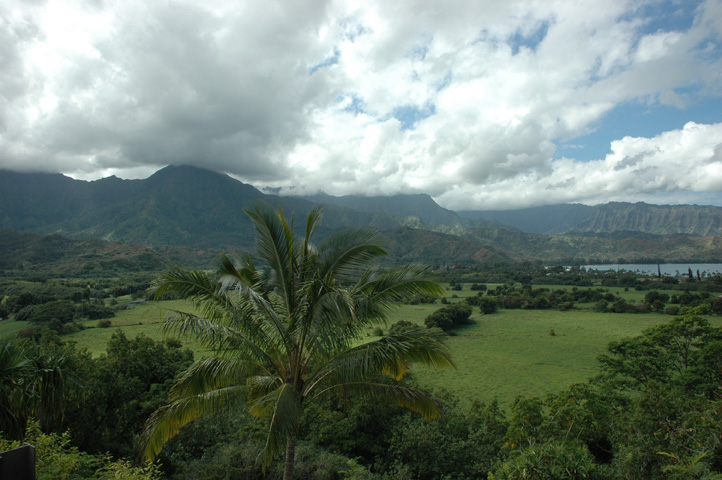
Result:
501,356
144,319
512,352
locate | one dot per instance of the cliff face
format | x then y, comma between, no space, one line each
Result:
655,219
610,218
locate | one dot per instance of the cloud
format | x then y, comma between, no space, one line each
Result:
462,100
662,169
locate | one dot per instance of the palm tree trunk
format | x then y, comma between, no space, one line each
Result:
290,458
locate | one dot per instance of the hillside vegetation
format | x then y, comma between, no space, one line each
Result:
200,209
702,220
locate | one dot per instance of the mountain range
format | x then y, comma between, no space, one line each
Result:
610,218
196,208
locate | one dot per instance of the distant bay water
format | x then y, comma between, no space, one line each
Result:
665,268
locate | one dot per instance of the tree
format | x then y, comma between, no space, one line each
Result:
557,460
121,389
286,334
34,380
14,368
488,305
52,368
449,317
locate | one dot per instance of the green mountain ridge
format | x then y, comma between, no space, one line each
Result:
613,217
36,254
421,206
545,219
700,220
199,209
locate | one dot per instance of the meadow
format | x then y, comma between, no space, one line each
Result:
500,356
513,352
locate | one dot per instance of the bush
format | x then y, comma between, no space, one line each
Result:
449,317
423,299
61,310
56,458
92,311
24,314
402,326
558,460
104,324
33,333
488,305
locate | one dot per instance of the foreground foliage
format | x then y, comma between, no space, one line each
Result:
57,459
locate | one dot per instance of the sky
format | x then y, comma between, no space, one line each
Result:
482,104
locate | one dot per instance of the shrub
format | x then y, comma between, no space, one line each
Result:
61,310
402,326
559,460
33,333
92,311
488,305
449,317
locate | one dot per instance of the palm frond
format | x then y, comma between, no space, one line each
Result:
333,324
198,287
313,221
284,406
423,403
274,244
211,373
216,336
346,252
263,384
391,356
229,276
275,327
379,292
168,420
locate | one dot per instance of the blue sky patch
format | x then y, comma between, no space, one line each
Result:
409,115
667,15
638,120
356,106
327,62
530,41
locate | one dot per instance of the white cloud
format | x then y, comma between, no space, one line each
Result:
664,168
303,96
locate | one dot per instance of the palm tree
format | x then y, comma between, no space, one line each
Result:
285,334
14,369
52,370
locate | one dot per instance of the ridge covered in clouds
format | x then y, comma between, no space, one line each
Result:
467,101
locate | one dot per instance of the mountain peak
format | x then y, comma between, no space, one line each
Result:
184,170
